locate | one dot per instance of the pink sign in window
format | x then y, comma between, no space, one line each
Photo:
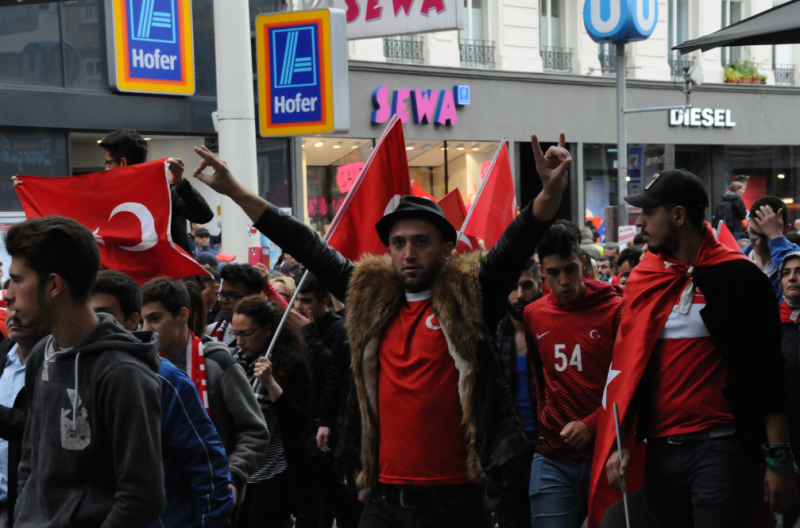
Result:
346,175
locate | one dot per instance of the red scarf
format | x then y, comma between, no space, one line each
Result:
196,368
789,314
218,332
653,289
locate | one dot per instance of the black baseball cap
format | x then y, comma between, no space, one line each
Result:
674,186
416,207
202,232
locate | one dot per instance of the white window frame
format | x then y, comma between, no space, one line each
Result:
725,52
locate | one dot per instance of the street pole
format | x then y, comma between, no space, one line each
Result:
236,109
622,140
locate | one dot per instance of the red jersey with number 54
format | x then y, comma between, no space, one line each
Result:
570,350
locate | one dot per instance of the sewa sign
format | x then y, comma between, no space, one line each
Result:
386,18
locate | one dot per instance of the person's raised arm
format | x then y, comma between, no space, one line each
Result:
292,235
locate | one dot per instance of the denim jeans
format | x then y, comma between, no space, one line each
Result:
559,491
705,483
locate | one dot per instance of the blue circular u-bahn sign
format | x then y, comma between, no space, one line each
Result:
620,21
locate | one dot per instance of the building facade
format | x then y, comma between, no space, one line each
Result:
529,67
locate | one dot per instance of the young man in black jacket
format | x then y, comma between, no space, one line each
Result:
711,396
92,448
417,322
126,147
14,353
325,338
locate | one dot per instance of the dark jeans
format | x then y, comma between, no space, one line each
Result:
383,512
267,504
335,502
705,483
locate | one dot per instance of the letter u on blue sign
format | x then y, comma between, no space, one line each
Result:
620,20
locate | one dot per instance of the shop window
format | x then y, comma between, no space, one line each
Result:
30,45
677,33
205,65
275,171
731,14
88,40
34,153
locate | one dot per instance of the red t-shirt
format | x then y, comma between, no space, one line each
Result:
422,441
570,351
689,376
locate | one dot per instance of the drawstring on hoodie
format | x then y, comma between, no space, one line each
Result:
75,398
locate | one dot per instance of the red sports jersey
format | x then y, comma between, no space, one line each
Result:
689,376
422,440
570,351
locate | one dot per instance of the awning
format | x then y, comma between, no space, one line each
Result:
779,25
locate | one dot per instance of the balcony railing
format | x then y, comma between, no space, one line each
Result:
784,74
678,63
476,53
608,62
556,59
403,49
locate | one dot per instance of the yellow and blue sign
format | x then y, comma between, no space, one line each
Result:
620,21
150,46
302,73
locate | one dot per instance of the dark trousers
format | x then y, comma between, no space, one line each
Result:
267,504
702,484
383,510
514,510
334,500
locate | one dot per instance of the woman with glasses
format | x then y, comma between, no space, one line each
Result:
282,383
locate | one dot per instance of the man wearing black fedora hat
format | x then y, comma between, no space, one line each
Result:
437,419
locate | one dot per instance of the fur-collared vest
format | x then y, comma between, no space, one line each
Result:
375,297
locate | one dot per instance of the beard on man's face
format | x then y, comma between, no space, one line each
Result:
517,309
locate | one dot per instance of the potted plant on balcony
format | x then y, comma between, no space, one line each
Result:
745,72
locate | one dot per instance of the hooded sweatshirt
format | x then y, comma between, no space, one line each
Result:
92,456
569,350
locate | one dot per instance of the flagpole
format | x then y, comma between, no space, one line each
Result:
331,230
619,455
480,191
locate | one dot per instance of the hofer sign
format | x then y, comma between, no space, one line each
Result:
386,18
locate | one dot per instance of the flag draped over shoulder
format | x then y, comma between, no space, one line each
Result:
376,192
129,212
650,294
495,206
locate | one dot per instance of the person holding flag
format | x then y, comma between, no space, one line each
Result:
707,396
570,334
437,417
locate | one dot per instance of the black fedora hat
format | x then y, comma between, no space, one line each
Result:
415,207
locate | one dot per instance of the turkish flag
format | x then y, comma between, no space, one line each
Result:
128,210
419,192
726,238
456,212
495,206
375,193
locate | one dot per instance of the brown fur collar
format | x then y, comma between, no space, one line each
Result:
375,297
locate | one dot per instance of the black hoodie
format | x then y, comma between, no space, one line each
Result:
103,469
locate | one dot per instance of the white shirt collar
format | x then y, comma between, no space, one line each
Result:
421,296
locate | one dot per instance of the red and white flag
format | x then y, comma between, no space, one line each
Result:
419,192
376,192
128,210
456,212
725,236
495,206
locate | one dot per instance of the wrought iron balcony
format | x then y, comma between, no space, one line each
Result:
404,49
608,62
476,53
556,59
784,74
678,63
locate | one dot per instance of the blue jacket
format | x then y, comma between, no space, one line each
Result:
779,248
196,473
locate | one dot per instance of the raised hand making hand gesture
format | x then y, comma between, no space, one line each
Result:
553,168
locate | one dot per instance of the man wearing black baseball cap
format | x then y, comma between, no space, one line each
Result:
710,395
436,416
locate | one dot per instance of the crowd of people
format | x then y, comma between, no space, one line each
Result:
416,388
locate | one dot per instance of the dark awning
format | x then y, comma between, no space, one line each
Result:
779,25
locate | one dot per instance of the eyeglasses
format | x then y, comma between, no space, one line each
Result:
229,297
755,236
108,162
244,336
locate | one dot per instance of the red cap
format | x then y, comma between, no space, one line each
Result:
222,257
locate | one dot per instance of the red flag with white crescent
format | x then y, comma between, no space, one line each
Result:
128,210
376,192
496,205
456,212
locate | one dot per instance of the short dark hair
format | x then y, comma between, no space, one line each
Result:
126,144
246,275
638,239
611,247
292,267
562,240
794,238
172,294
533,267
632,255
123,288
602,258
313,285
775,204
213,276
59,245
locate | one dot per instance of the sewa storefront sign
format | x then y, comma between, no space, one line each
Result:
423,107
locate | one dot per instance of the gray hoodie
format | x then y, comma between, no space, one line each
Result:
92,457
